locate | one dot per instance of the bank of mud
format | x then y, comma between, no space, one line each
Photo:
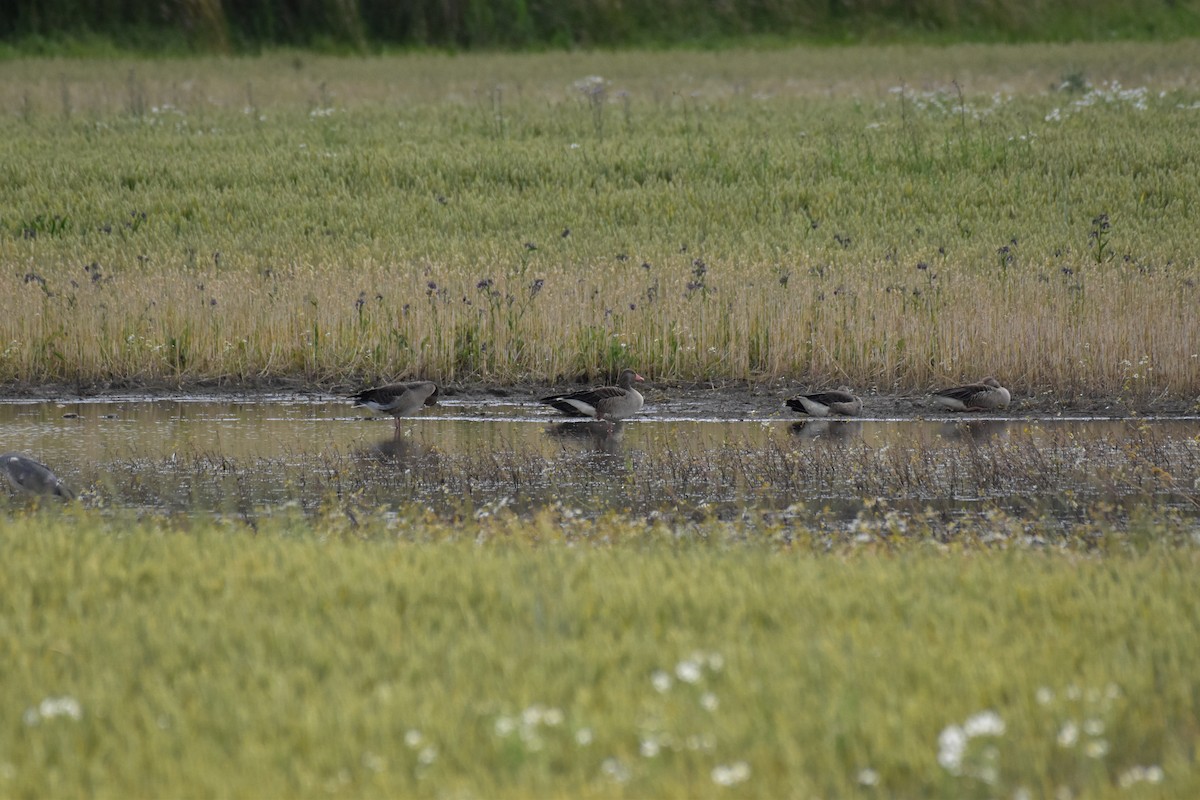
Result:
731,400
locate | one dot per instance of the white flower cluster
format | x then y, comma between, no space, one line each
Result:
52,707
1109,94
691,671
731,774
1151,774
954,740
528,725
592,86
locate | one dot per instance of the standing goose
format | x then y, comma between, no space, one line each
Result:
824,404
398,399
32,477
987,395
605,403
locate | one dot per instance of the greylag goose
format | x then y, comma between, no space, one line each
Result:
823,404
32,477
398,399
605,403
987,395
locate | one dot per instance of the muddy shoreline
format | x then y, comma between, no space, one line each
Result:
730,399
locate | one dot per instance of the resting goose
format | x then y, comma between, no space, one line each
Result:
398,399
823,404
32,477
605,403
987,395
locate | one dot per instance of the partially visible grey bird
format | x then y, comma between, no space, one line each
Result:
398,399
987,395
32,477
823,404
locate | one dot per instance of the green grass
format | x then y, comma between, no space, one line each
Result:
833,215
471,659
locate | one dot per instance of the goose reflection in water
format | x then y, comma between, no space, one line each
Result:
595,436
827,429
396,450
975,430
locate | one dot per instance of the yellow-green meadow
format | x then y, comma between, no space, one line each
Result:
889,218
545,657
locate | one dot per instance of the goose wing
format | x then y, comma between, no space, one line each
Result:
964,394
831,397
585,403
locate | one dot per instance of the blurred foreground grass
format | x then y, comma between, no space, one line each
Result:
884,217
506,657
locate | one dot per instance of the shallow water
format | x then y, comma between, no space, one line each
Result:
204,454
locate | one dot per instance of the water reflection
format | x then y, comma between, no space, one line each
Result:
202,455
975,430
828,429
595,436
398,450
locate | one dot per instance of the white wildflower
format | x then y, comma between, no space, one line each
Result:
868,777
1131,776
615,770
64,706
731,774
1069,735
709,701
688,671
591,85
985,723
952,746
51,707
661,681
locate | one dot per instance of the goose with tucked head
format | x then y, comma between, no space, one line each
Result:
604,403
837,402
32,477
987,395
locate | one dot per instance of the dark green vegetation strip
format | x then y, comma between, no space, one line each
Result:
183,659
358,25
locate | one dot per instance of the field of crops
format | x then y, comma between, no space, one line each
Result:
551,657
888,218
